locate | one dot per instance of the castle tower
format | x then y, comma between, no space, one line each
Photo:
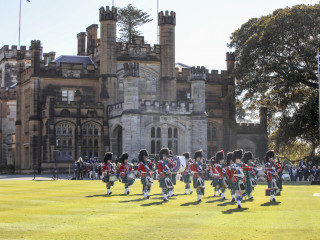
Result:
263,114
81,43
131,117
167,41
199,117
92,37
108,57
36,53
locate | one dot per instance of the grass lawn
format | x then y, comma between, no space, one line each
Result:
81,210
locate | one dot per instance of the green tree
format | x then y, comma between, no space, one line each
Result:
129,19
276,66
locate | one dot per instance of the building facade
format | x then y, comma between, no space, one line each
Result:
114,97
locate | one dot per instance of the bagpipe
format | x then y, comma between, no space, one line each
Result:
148,179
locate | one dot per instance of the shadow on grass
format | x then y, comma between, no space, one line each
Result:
226,204
212,197
217,200
190,203
102,195
248,200
133,200
234,210
270,204
152,204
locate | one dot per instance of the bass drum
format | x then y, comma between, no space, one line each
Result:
181,164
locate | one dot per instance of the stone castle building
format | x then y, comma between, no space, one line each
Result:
115,97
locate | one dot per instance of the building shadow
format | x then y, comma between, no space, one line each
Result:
190,203
267,204
234,210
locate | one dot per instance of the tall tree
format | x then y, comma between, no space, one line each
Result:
276,66
129,19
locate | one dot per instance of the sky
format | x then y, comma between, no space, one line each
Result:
203,27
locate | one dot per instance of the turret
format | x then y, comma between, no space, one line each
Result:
108,60
198,96
36,52
167,24
81,43
230,59
263,118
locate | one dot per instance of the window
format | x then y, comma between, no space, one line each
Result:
214,133
173,139
153,147
91,136
158,132
68,95
64,141
153,132
155,140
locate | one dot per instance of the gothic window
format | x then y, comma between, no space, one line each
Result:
158,132
214,133
173,139
91,137
64,141
155,140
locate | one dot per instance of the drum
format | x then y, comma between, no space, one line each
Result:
200,182
112,178
149,181
253,182
181,164
131,176
168,182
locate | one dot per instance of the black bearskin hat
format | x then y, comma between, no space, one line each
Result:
107,156
123,157
237,154
198,154
164,151
229,157
170,153
143,153
247,156
186,155
269,154
219,156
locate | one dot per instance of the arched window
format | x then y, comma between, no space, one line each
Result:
158,132
175,135
153,132
169,133
158,146
214,133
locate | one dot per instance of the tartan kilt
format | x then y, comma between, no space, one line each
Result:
215,182
229,184
195,183
270,182
162,183
125,180
186,178
235,186
221,185
173,179
105,179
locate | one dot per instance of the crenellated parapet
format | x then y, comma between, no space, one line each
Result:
13,52
230,56
138,50
250,128
167,18
198,73
155,107
9,93
35,45
107,14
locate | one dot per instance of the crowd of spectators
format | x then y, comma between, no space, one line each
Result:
304,172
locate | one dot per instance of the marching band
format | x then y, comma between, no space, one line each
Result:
231,173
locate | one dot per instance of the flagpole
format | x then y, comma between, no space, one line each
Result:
19,23
157,23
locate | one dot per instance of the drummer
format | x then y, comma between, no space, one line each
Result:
172,165
145,168
126,173
109,172
198,173
187,175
